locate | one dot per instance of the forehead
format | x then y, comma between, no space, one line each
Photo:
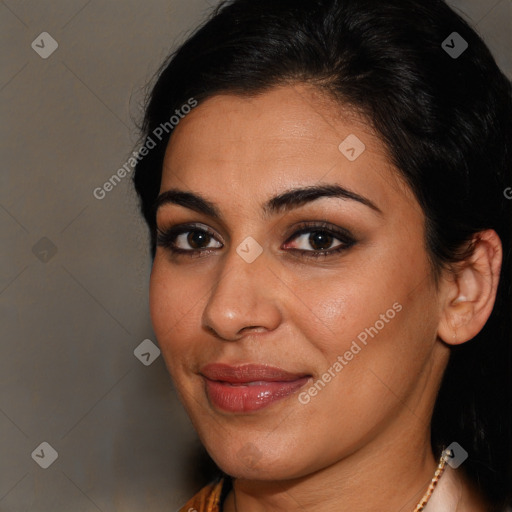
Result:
286,136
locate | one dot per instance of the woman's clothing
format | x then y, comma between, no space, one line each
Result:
210,498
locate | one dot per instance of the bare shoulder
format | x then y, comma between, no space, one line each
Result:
471,499
455,493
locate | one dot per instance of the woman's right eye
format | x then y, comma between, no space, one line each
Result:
187,239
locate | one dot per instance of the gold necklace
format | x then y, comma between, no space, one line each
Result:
445,455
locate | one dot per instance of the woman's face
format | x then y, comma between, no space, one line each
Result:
287,361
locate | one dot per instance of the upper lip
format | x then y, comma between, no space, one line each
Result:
248,373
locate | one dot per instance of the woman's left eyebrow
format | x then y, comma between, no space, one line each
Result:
285,201
296,197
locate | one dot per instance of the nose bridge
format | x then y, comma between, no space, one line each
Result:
242,296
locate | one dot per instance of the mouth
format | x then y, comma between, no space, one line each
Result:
249,387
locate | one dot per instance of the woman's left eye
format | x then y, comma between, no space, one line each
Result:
321,239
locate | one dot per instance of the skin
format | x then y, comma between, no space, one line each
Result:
368,429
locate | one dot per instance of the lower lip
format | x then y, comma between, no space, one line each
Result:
242,398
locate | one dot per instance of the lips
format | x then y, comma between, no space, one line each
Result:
249,387
248,373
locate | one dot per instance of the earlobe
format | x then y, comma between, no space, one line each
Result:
470,292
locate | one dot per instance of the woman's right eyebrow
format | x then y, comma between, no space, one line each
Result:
189,200
285,201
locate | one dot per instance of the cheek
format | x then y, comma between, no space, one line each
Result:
342,307
171,306
160,300
384,343
380,319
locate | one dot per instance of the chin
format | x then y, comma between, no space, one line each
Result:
251,463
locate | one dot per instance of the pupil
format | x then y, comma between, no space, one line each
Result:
196,238
319,239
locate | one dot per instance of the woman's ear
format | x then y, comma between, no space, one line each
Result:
470,291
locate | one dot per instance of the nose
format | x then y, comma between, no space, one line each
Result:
243,298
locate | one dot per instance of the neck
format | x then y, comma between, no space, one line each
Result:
391,476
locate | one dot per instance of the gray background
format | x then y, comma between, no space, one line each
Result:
71,319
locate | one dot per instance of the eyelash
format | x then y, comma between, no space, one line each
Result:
167,239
